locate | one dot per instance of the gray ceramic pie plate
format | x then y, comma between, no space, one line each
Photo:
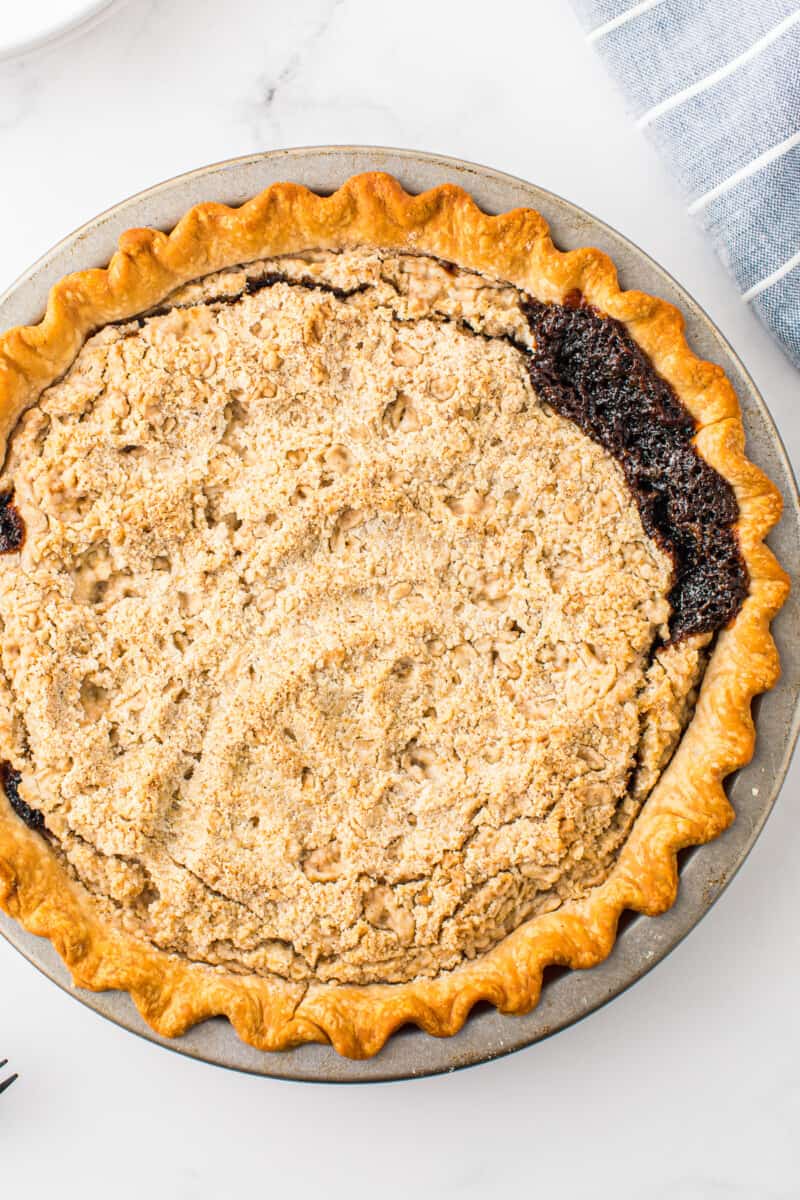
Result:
705,872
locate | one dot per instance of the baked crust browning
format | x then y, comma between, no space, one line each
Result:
688,804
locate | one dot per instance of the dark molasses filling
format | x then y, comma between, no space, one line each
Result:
273,277
12,526
252,286
589,369
10,779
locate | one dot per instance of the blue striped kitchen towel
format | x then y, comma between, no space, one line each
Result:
716,85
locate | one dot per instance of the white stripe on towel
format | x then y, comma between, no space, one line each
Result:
749,169
622,19
758,288
694,89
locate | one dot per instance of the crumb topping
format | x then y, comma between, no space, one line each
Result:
331,650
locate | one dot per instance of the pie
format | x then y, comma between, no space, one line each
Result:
383,596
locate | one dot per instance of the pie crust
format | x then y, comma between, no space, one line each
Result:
687,806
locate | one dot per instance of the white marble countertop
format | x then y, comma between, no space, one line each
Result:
685,1087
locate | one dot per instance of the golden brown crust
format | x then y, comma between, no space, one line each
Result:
688,806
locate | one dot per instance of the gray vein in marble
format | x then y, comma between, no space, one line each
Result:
295,62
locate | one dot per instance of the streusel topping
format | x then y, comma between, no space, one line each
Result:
331,650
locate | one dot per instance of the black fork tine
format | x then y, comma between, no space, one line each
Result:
6,1082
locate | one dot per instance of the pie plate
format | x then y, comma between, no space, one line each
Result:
705,872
